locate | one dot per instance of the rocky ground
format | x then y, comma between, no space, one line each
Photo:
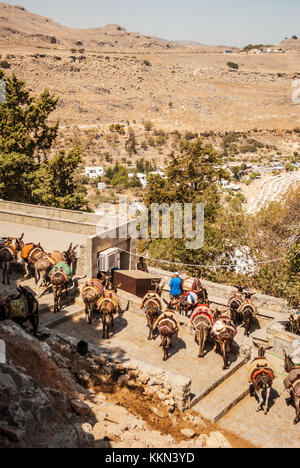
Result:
53,397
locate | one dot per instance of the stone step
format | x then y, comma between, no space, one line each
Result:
222,377
260,337
51,320
218,402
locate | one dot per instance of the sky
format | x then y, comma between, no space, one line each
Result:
214,22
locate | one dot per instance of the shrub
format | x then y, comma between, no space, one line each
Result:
147,63
233,65
4,64
148,126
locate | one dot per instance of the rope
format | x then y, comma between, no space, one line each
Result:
199,265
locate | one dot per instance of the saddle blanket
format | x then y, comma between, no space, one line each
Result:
65,267
18,309
110,296
202,310
257,365
26,251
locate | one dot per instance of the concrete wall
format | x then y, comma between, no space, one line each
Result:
99,236
98,243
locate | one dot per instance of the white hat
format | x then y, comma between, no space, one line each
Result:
176,274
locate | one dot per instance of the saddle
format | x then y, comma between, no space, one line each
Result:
10,247
18,309
94,285
109,296
167,317
259,365
26,251
223,324
237,295
247,303
202,310
151,296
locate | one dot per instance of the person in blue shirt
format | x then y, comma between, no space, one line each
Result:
176,288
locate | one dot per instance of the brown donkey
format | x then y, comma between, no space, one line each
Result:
108,306
224,332
167,326
152,306
292,383
202,321
8,252
261,376
91,293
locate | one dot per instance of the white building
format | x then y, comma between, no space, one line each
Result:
94,171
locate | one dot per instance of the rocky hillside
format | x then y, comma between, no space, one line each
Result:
53,397
19,26
108,75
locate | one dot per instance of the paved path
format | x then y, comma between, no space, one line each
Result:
130,340
276,430
50,239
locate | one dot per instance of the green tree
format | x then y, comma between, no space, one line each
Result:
26,175
193,176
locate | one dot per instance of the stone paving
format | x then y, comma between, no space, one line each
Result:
130,341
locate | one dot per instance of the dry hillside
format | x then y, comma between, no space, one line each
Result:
108,75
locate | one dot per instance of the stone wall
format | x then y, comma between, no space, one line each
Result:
220,293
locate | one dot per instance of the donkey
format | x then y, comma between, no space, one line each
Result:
235,301
60,277
224,332
261,376
152,306
108,306
202,321
187,302
21,308
246,311
46,261
292,383
294,324
91,292
106,281
201,291
167,326
30,254
8,252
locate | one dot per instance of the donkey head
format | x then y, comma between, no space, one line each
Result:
288,363
70,254
19,244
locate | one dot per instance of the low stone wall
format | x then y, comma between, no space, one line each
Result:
220,293
173,390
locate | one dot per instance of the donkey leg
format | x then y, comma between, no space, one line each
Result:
260,400
297,406
268,393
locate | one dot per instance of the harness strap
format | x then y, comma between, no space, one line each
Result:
259,371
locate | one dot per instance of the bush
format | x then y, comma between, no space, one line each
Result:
147,63
233,65
4,64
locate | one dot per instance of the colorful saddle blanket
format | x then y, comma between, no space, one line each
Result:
64,266
9,246
26,251
202,310
18,309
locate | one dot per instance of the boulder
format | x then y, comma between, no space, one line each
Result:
217,440
190,433
81,408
